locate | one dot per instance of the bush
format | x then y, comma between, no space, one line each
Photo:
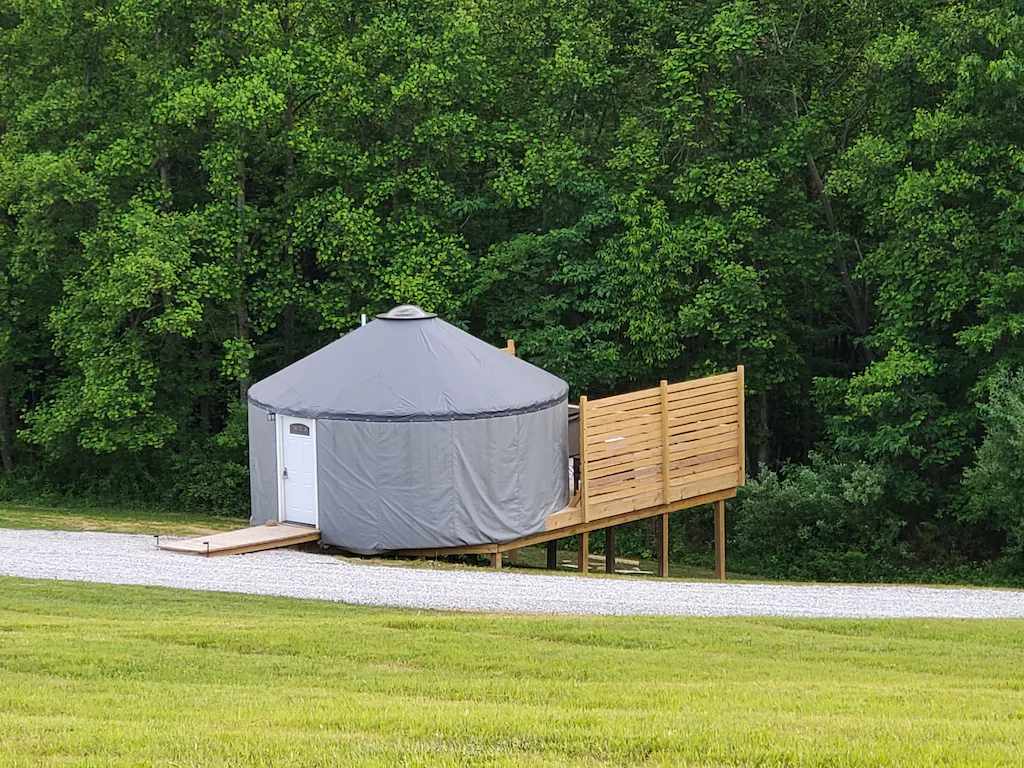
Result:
213,475
995,484
829,521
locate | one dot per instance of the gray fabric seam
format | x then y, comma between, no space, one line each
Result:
335,416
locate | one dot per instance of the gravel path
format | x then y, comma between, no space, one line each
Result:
122,559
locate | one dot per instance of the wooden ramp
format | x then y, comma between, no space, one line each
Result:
251,539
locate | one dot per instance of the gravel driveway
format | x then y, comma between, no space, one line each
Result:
114,558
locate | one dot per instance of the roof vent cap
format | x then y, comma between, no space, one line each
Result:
407,312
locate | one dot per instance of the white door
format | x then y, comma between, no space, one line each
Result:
298,470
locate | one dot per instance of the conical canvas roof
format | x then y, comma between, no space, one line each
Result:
408,365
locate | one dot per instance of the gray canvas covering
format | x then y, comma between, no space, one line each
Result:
426,438
387,486
408,370
262,466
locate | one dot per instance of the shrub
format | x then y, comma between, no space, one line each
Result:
827,521
994,485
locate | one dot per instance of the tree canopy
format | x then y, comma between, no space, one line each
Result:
196,194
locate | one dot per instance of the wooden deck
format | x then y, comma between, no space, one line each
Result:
642,454
647,454
244,540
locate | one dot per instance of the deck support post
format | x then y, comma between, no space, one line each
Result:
583,552
584,485
553,555
496,560
609,549
720,539
663,545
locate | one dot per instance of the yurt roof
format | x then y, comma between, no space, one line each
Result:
408,365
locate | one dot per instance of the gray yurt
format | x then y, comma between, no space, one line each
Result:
409,433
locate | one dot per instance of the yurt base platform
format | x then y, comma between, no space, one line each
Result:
244,540
569,522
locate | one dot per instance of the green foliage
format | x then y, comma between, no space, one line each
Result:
195,195
170,677
826,521
995,483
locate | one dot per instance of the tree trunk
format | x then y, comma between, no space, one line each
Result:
289,168
164,166
858,308
242,308
764,450
204,377
6,431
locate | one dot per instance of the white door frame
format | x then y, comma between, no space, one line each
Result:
279,418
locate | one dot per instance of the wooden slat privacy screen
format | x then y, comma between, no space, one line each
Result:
661,445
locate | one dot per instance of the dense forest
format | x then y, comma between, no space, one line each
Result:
195,194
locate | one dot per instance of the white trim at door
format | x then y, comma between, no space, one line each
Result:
311,423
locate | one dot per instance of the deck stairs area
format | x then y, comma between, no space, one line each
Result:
252,539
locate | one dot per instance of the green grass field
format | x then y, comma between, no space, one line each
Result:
105,675
48,518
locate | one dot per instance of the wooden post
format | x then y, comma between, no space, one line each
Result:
583,553
663,545
511,347
742,436
720,539
513,557
665,479
553,555
496,560
583,457
609,549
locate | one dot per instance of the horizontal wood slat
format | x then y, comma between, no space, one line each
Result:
629,461
612,433
682,440
678,470
697,488
678,425
619,446
707,463
723,398
713,389
604,418
686,411
662,445
623,491
678,437
683,386
624,399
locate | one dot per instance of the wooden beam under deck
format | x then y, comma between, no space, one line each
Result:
572,530
478,549
663,542
719,539
628,517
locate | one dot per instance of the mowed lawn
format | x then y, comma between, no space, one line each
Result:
109,675
111,520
